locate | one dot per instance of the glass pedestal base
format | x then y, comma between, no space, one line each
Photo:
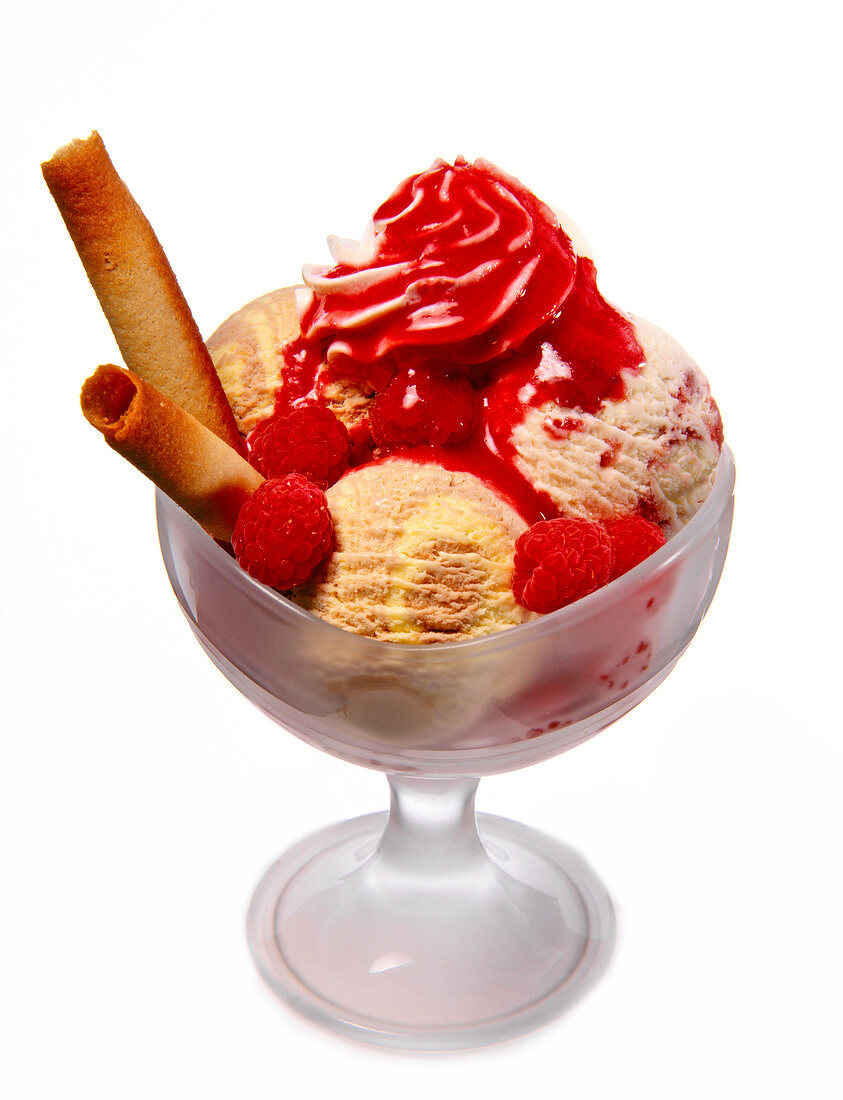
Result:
433,949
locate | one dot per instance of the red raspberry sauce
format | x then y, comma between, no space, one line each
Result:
476,277
595,341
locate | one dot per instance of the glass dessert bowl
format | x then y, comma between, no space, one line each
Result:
431,927
468,321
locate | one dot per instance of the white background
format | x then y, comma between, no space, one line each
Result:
142,797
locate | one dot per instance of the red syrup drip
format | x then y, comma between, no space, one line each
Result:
575,361
477,458
302,362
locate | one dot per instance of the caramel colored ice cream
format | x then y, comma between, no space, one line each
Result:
247,351
422,554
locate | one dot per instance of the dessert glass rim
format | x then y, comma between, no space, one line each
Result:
569,616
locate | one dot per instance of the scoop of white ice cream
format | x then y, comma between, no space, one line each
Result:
654,450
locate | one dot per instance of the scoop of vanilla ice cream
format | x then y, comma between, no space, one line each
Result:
655,448
423,554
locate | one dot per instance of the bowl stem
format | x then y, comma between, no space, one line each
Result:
431,827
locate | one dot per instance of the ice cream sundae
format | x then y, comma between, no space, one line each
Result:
445,433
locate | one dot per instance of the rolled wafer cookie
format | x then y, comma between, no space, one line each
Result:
140,297
192,465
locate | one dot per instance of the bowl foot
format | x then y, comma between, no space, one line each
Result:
424,957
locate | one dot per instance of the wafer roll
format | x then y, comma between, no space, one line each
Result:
152,324
187,461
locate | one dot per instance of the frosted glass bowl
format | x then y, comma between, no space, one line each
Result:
431,927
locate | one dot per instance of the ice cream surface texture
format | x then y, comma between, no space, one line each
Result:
422,553
485,386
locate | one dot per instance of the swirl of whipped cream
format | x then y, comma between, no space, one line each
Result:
461,264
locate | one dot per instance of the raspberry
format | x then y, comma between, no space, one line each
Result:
633,539
424,405
308,440
558,561
283,532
